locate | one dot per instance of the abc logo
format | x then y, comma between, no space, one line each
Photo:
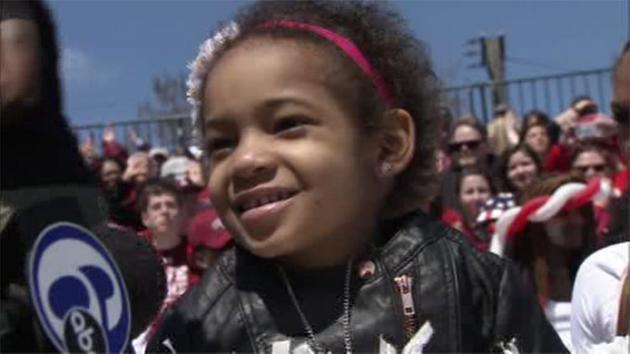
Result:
78,291
82,333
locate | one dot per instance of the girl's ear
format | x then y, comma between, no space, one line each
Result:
397,142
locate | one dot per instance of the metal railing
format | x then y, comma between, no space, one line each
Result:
171,132
552,94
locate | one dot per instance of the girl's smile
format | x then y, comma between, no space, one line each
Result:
263,207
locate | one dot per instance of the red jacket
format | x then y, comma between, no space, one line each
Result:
558,159
455,219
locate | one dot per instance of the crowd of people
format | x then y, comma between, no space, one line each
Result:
360,178
163,197
511,162
480,168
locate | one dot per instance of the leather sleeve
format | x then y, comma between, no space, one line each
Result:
171,336
496,305
208,319
519,316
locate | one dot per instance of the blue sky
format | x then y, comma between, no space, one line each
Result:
112,49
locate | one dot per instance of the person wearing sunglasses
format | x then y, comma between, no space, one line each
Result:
467,143
466,147
589,128
593,160
590,161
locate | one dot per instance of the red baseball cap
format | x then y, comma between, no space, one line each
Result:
206,229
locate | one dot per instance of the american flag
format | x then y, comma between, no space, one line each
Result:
494,207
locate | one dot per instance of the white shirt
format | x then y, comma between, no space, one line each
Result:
596,296
559,315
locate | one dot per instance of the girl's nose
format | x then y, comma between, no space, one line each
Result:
251,159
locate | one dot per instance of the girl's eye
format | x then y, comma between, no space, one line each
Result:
219,146
290,125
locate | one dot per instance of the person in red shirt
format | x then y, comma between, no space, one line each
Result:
160,204
473,187
582,123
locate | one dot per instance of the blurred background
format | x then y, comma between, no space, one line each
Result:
124,62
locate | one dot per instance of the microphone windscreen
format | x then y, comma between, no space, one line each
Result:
78,270
94,291
142,271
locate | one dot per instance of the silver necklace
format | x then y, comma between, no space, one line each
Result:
347,337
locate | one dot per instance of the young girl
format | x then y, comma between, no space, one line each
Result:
319,123
474,187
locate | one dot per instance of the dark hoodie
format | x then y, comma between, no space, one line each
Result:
38,157
37,145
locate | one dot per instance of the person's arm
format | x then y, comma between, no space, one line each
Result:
137,164
512,128
88,151
567,119
595,299
138,143
583,322
111,148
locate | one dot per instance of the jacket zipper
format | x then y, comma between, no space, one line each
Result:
396,301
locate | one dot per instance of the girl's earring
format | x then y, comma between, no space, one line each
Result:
385,169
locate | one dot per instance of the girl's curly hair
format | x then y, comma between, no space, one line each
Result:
383,37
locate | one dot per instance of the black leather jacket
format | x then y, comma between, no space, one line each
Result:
474,302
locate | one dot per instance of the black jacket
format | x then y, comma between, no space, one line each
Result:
474,301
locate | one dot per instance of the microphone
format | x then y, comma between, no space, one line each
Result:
92,288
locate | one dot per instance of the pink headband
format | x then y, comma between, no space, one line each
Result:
348,47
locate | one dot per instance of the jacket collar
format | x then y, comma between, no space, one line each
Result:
402,239
410,234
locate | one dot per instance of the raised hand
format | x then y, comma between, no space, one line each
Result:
88,148
109,134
